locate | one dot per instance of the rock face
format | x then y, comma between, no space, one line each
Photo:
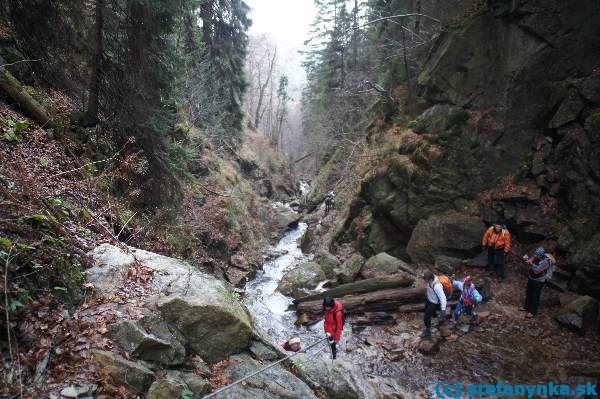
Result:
339,379
201,309
166,388
512,133
303,277
274,383
449,235
124,372
579,315
382,265
347,271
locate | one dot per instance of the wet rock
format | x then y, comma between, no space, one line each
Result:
133,375
451,235
429,347
262,351
273,383
382,265
339,379
166,388
135,340
69,392
580,314
347,271
328,262
299,280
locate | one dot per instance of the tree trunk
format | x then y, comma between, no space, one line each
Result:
258,114
96,73
378,301
28,104
362,287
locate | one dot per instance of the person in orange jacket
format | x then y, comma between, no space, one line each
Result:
496,240
334,322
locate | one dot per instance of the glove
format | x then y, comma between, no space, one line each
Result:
442,318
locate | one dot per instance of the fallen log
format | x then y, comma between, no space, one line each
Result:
418,307
28,104
362,287
379,301
373,318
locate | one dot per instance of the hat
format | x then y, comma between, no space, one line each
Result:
539,251
294,340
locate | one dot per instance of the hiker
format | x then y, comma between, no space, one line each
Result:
497,242
334,322
469,298
329,201
541,267
436,299
292,345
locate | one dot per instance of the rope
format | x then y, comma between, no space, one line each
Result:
261,370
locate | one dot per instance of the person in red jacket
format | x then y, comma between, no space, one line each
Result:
334,322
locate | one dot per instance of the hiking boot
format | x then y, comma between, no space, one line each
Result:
426,333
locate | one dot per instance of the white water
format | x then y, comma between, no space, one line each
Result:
269,308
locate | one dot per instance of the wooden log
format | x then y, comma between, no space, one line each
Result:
373,318
362,287
28,104
379,301
418,307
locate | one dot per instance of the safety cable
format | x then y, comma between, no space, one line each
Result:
262,369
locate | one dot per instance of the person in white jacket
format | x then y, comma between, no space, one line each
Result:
436,299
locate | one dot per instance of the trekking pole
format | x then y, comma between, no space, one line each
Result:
210,395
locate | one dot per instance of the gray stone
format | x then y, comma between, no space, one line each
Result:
133,375
262,351
328,262
451,235
339,379
273,383
302,278
347,271
143,345
204,310
166,388
580,314
382,265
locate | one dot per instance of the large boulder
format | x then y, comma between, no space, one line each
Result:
328,262
274,383
349,269
580,314
586,260
159,346
301,279
382,265
133,375
339,379
199,308
450,235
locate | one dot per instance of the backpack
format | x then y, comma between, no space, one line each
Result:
344,314
552,261
447,284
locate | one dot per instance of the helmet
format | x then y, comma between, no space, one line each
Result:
539,251
294,340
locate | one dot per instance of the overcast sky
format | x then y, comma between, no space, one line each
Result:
288,24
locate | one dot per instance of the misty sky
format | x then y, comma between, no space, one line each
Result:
288,24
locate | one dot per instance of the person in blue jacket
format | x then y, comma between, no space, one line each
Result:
469,298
